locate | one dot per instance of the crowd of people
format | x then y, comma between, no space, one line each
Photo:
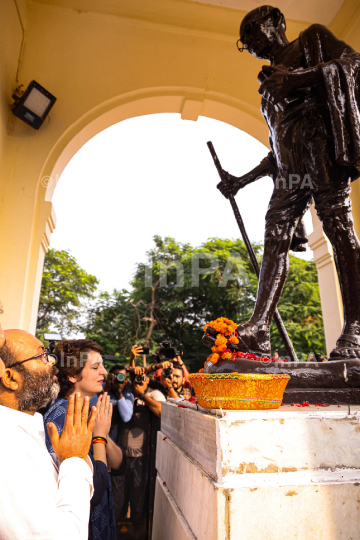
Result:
85,468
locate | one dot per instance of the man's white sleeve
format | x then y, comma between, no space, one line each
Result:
75,487
34,504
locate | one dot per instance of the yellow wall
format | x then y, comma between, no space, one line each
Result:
104,67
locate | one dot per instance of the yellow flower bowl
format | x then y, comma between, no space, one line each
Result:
239,390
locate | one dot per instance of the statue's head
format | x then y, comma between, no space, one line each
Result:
259,30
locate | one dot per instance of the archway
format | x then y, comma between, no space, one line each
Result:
190,103
20,300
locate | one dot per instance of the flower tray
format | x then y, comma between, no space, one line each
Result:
239,390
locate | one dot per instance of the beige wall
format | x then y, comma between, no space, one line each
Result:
103,68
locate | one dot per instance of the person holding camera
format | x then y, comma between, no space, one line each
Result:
121,398
133,492
147,391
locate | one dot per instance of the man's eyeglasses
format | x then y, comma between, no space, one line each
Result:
45,357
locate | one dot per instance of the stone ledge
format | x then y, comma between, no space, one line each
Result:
284,440
320,504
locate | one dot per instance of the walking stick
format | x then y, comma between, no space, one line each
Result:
278,320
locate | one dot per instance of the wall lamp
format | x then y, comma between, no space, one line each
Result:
33,105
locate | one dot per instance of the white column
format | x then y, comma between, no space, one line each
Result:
330,294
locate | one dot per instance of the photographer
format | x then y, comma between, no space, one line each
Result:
134,492
147,391
121,398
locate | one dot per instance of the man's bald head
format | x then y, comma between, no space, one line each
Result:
29,385
18,346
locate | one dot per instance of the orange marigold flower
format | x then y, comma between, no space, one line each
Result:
221,342
201,370
223,326
226,356
214,358
233,340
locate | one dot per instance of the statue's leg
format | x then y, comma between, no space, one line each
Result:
287,206
339,228
300,238
255,334
331,189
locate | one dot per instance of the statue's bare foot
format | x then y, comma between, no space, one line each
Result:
347,347
254,338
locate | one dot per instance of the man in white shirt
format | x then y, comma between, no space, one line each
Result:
42,497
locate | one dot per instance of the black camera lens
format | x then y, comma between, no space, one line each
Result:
120,377
140,379
145,350
167,372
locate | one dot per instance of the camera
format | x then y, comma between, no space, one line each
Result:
140,379
52,339
120,377
167,372
145,350
166,352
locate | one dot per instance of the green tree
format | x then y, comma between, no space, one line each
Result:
300,309
113,323
65,289
169,302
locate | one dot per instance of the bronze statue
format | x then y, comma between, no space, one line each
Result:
310,101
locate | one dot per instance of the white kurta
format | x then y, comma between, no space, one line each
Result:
38,500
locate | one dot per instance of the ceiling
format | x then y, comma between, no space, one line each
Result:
200,13
304,10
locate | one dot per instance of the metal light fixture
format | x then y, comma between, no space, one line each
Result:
33,105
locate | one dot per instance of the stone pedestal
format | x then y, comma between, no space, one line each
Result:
258,475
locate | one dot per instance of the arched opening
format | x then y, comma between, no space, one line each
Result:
189,103
153,175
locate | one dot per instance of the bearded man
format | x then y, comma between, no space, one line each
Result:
310,101
42,496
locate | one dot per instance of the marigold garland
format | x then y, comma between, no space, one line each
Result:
227,335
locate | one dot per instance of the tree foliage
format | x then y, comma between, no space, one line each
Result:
168,302
65,289
300,309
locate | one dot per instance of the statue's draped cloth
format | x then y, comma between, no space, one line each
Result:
341,82
315,132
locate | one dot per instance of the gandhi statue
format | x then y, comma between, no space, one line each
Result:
310,101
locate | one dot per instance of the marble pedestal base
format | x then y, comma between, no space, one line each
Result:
289,473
